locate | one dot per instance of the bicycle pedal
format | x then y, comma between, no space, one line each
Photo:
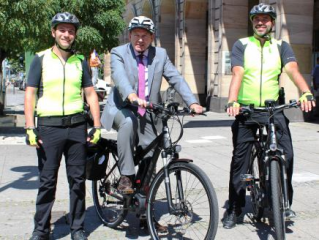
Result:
246,177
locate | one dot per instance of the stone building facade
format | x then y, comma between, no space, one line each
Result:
199,34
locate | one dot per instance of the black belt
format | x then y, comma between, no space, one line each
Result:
62,121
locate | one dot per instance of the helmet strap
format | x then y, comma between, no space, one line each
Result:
267,37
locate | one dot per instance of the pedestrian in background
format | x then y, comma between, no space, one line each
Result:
57,76
315,83
95,64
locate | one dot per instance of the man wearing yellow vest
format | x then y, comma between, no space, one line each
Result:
257,63
57,77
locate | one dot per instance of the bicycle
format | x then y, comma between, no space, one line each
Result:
180,197
266,177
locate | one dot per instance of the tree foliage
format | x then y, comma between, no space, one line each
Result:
25,24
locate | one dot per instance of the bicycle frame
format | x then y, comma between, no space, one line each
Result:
162,145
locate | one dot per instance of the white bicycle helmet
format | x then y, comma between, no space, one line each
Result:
65,18
262,8
142,22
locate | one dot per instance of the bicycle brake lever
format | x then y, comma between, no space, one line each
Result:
191,111
149,105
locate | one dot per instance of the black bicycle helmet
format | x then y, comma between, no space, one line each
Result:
65,18
142,22
262,8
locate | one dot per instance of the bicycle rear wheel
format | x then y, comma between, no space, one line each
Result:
194,201
256,189
109,204
277,200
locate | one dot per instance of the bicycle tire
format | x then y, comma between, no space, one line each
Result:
199,217
256,189
277,200
110,206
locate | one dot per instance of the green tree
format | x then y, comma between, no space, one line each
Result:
25,26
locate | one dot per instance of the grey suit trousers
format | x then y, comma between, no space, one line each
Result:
133,131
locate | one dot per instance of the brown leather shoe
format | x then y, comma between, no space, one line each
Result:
125,185
160,228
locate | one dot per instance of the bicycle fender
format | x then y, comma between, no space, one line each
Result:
181,160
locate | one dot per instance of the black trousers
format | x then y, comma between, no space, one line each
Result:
71,142
244,131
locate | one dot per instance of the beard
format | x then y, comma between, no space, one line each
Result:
262,34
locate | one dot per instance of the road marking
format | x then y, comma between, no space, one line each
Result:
213,137
19,139
198,141
305,177
206,139
12,140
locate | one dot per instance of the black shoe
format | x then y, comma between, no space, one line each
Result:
231,218
37,237
290,214
79,235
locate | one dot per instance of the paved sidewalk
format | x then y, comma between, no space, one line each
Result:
207,140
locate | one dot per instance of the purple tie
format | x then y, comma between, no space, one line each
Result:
141,83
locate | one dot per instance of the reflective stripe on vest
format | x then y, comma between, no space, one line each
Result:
62,85
262,67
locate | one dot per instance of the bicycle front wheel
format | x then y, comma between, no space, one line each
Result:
195,214
277,200
109,204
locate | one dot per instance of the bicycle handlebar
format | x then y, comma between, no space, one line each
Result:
270,108
169,110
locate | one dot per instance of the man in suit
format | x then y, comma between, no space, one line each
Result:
137,70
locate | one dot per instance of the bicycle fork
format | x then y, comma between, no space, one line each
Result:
278,155
285,187
283,176
166,158
173,208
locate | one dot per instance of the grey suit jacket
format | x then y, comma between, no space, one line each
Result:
124,72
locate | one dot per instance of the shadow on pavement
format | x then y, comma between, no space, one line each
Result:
208,123
14,112
130,226
23,182
264,229
12,130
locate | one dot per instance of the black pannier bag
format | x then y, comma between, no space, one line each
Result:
96,163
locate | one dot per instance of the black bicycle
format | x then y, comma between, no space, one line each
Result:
266,178
180,197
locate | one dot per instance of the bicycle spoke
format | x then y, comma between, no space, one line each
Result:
110,206
192,216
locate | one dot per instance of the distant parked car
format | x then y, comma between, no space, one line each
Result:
16,82
102,88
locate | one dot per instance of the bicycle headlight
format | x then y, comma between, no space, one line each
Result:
177,148
273,147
